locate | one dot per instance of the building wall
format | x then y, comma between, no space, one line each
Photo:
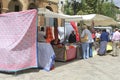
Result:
9,6
49,5
25,4
4,6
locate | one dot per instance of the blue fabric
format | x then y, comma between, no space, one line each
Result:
90,50
104,36
46,56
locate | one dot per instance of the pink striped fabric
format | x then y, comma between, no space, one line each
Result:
18,40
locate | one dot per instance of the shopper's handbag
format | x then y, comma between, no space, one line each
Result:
85,38
97,39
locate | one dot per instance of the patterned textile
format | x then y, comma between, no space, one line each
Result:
70,52
18,40
65,53
49,34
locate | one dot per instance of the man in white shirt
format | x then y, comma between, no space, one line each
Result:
97,35
41,35
116,42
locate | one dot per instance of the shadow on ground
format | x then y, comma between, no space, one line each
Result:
35,70
32,70
61,63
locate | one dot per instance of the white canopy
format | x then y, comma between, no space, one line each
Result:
77,18
102,20
48,13
97,18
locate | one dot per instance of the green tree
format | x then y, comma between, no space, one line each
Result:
103,7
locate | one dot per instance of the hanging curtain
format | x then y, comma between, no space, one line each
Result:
76,30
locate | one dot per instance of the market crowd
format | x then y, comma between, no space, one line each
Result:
100,39
89,38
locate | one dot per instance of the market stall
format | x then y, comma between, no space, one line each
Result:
19,46
62,53
87,19
18,41
95,20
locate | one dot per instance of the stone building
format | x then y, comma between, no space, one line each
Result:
20,5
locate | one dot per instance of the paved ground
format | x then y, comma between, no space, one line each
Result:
96,68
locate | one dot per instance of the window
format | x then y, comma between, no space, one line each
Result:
17,8
32,6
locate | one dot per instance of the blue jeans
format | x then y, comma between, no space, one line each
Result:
90,50
85,48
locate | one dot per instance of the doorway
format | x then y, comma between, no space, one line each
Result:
15,6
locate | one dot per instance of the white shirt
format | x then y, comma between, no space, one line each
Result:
41,36
97,35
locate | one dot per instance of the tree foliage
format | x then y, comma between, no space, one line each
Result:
103,7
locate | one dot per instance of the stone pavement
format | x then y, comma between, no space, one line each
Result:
96,68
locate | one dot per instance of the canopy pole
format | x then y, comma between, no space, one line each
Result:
64,29
56,28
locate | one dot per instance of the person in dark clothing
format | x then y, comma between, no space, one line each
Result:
104,38
72,37
55,42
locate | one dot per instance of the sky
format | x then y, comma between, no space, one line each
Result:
117,3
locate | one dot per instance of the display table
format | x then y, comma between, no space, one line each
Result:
65,53
79,51
46,56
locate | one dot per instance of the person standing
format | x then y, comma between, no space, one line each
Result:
93,35
104,38
72,37
41,35
91,42
116,42
97,39
85,45
97,35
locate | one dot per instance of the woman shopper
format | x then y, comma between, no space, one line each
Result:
85,45
104,38
72,37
